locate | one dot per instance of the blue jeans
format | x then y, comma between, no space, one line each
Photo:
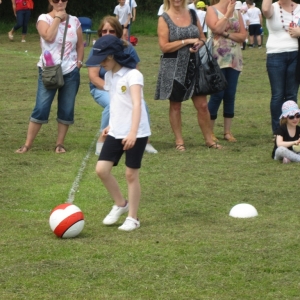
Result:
228,96
281,69
102,98
22,20
65,100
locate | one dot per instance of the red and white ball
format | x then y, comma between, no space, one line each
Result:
66,220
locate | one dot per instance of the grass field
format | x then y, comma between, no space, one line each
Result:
187,247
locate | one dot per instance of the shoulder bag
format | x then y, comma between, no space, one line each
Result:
52,76
209,79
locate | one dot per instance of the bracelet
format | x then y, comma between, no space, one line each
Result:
79,61
57,17
182,42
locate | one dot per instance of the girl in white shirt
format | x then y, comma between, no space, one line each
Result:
128,129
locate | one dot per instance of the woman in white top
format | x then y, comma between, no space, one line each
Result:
51,29
282,52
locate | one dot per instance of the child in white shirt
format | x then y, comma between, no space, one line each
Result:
123,14
128,129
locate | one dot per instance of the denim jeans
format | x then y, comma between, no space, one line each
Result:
102,98
281,69
228,96
65,100
22,20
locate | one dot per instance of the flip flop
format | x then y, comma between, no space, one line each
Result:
60,149
10,36
180,147
215,146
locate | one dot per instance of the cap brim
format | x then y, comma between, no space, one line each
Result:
95,60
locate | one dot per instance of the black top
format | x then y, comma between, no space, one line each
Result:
282,130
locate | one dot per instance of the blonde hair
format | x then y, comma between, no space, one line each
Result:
167,4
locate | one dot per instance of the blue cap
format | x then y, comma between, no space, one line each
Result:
110,45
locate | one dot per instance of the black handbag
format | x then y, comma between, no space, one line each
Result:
209,79
52,76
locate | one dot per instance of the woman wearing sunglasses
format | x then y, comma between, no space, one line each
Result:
51,27
108,25
287,139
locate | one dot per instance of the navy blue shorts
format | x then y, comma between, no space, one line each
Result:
112,150
254,29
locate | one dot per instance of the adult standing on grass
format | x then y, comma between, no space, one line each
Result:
22,11
227,26
128,128
108,25
51,27
282,52
179,33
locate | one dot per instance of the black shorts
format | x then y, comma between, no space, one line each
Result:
254,29
112,150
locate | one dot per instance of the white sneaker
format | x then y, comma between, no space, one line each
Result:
150,149
130,224
115,214
98,148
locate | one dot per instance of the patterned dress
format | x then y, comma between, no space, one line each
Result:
176,77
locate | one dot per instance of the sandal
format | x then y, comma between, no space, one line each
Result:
215,146
22,149
180,147
59,149
231,138
214,138
10,36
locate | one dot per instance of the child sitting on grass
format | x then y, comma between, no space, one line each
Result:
288,134
128,129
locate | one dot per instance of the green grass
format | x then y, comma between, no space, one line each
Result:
187,247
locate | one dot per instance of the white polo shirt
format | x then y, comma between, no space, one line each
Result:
120,118
122,12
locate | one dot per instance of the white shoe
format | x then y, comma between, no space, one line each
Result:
150,149
23,41
98,148
130,224
115,214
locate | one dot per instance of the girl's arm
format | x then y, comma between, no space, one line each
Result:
267,8
13,2
79,48
281,143
163,38
240,36
218,26
93,73
48,32
135,92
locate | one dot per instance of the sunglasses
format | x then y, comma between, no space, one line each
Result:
293,117
57,1
106,31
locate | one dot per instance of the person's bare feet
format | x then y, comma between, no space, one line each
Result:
59,149
22,149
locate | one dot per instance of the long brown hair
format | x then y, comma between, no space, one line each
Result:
114,23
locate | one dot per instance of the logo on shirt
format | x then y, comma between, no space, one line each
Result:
123,89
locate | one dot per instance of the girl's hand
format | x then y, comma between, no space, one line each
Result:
196,46
129,141
105,131
294,32
297,142
230,7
